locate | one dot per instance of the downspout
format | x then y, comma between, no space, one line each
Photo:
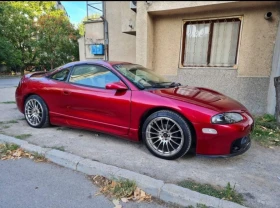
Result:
275,72
106,35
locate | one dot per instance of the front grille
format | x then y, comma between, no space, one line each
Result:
240,144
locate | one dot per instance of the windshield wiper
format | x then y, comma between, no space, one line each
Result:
174,84
163,85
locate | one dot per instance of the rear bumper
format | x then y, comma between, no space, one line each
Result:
19,100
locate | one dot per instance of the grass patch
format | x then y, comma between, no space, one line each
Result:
8,102
23,136
266,131
13,151
123,189
5,148
201,206
226,193
5,127
39,158
61,148
11,121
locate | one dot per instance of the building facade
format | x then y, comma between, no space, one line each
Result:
229,46
58,5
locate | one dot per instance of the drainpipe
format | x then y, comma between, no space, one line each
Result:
106,35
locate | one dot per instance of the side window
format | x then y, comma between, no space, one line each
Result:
93,76
61,75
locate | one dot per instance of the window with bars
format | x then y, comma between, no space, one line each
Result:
210,43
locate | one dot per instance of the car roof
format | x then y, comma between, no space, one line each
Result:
101,62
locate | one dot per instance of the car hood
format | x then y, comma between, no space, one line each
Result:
202,97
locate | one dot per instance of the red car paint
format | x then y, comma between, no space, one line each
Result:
122,112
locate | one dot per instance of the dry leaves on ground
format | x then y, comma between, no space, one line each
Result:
12,152
123,190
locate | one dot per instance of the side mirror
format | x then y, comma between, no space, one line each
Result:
116,86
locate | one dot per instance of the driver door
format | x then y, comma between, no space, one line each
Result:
90,105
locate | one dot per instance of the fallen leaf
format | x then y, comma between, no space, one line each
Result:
113,184
124,200
142,194
141,199
116,202
137,192
118,206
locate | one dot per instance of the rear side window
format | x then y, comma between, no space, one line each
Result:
61,75
93,76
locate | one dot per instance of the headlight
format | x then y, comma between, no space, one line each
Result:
227,118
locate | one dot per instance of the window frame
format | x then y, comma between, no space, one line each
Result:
94,87
185,22
59,71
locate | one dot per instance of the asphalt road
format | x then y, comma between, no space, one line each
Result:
25,183
9,82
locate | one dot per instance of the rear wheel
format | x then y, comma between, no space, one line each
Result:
167,135
36,112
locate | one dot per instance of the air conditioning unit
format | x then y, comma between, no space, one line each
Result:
133,5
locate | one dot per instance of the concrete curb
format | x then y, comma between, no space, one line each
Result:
157,188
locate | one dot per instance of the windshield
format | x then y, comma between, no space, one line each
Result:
143,78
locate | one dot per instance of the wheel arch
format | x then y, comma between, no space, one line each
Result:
152,110
30,94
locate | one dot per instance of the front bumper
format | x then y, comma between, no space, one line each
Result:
238,147
222,143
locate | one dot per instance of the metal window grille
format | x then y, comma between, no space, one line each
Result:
210,43
94,10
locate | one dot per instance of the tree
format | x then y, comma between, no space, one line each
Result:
27,38
18,23
57,40
8,54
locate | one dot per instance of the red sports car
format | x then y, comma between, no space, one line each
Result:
133,102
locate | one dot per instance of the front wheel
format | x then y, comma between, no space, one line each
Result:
167,135
36,112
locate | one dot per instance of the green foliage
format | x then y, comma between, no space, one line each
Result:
8,54
9,102
23,136
267,131
4,148
227,193
58,40
124,188
23,36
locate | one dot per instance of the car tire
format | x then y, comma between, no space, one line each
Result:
36,112
167,135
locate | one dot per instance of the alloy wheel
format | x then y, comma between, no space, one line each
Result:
34,112
165,136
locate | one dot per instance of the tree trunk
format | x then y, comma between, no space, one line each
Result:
22,70
277,89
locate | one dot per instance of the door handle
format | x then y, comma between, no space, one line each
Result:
65,92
